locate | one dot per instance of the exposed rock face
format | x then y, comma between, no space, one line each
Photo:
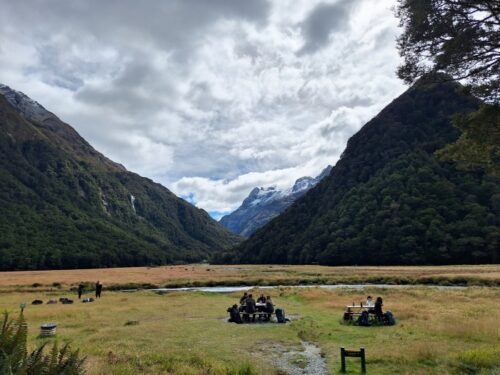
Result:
263,204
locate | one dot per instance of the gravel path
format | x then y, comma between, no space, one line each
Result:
307,362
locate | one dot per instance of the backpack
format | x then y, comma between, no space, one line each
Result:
280,316
363,319
389,319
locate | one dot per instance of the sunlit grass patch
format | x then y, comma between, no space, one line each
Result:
484,360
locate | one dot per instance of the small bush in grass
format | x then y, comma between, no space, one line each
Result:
56,285
36,285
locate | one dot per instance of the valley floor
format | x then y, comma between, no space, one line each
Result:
438,331
213,275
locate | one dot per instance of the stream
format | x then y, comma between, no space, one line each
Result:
232,289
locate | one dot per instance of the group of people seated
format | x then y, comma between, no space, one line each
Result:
249,308
370,308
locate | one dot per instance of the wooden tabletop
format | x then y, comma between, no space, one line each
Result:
359,307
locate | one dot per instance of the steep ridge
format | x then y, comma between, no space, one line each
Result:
65,205
263,204
389,200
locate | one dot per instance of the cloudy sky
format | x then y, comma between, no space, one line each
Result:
208,97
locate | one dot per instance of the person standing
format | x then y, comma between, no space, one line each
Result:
80,290
98,289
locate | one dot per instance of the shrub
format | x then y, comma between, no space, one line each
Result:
15,360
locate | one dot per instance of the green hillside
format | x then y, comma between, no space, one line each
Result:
64,205
389,200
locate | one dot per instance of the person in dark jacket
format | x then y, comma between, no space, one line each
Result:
98,289
80,290
261,302
269,307
250,307
243,300
378,308
234,314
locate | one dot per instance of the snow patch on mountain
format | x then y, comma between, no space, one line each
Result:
265,203
26,106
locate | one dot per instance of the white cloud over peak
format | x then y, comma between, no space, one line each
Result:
209,98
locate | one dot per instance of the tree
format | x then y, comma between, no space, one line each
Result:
479,144
460,38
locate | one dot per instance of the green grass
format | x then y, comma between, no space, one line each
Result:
437,331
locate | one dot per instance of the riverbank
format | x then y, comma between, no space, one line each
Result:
205,275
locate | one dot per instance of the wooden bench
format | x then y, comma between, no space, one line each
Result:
259,314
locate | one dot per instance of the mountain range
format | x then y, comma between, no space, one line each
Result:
264,204
65,205
390,200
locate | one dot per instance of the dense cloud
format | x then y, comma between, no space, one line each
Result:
210,98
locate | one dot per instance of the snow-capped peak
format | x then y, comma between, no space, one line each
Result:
265,203
260,195
304,183
264,195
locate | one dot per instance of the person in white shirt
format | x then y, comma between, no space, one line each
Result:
369,302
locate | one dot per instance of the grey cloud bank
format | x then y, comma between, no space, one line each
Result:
210,98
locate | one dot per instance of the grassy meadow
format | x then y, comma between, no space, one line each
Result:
213,275
438,331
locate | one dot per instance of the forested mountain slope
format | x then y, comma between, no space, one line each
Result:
389,200
65,205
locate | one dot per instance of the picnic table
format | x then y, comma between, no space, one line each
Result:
260,311
356,310
359,307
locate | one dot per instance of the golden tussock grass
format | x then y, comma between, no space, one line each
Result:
203,274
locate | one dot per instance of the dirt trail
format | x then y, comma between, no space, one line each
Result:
306,362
